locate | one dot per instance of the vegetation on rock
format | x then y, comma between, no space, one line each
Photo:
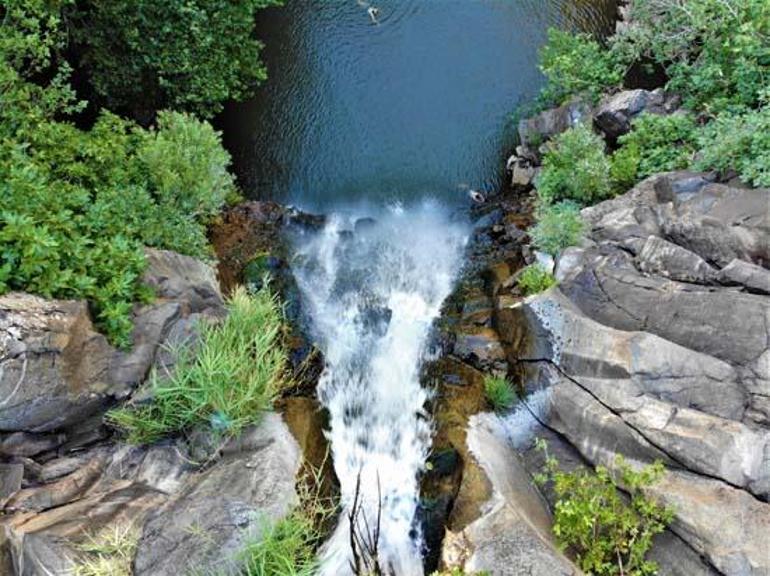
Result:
108,553
535,279
228,379
499,392
575,168
607,534
558,226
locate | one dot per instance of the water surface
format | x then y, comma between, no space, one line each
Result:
418,104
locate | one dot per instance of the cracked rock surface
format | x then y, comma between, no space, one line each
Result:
654,345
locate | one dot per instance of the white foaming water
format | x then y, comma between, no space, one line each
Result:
372,297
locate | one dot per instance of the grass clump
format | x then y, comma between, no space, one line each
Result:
558,227
233,376
535,279
499,392
109,553
607,535
288,547
575,168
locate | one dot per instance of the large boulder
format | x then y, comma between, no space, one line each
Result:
549,123
616,112
56,369
654,346
217,512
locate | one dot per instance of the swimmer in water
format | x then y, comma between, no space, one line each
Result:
373,12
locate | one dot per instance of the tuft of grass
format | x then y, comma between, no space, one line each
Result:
229,381
535,279
499,392
109,553
288,547
559,226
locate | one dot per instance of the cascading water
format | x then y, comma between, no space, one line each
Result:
372,291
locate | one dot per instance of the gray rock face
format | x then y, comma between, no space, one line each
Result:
206,526
655,346
56,369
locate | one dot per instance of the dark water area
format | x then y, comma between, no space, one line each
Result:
416,105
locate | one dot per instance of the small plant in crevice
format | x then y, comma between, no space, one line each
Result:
535,279
107,553
608,534
558,226
499,392
459,572
228,381
289,546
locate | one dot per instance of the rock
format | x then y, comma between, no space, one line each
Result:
10,481
25,444
615,113
534,131
654,346
183,279
739,273
480,347
219,510
658,256
513,535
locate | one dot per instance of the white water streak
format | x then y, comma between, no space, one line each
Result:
373,297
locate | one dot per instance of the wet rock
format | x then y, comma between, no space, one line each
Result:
364,224
208,523
512,536
536,130
480,347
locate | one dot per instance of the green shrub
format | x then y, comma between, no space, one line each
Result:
558,227
624,167
659,143
715,52
145,55
740,142
607,535
232,377
576,64
499,392
535,279
575,168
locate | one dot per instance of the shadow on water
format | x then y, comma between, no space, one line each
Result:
417,104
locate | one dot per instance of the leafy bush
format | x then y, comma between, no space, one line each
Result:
738,141
232,377
535,279
624,167
558,227
575,168
499,392
146,55
576,64
715,52
77,207
663,143
591,519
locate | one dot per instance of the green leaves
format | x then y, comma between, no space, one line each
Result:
608,533
558,226
147,55
499,392
576,64
535,279
575,168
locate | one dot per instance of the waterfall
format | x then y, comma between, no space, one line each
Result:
372,289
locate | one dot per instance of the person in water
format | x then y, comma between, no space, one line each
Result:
373,12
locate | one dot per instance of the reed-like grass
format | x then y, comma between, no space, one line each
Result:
499,392
229,379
